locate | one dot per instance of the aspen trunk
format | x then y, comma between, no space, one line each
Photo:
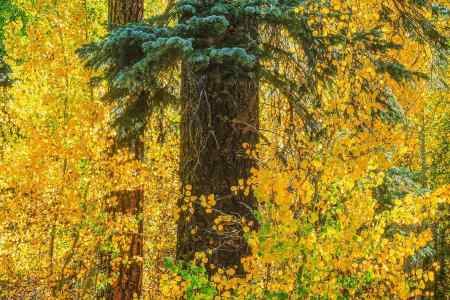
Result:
220,113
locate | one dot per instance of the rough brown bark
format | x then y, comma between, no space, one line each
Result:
219,114
129,283
121,12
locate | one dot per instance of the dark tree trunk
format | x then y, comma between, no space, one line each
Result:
219,114
122,12
442,248
129,283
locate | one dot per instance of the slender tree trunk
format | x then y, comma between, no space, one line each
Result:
219,114
423,150
129,283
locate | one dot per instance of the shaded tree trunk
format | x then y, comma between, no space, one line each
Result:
220,113
5,71
442,248
129,283
122,12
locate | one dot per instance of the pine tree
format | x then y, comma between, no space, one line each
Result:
219,114
225,51
129,283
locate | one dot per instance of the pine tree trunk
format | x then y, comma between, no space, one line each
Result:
129,283
219,114
122,12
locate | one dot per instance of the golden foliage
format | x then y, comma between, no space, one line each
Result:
322,231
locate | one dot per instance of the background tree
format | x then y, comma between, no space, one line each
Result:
10,12
129,281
